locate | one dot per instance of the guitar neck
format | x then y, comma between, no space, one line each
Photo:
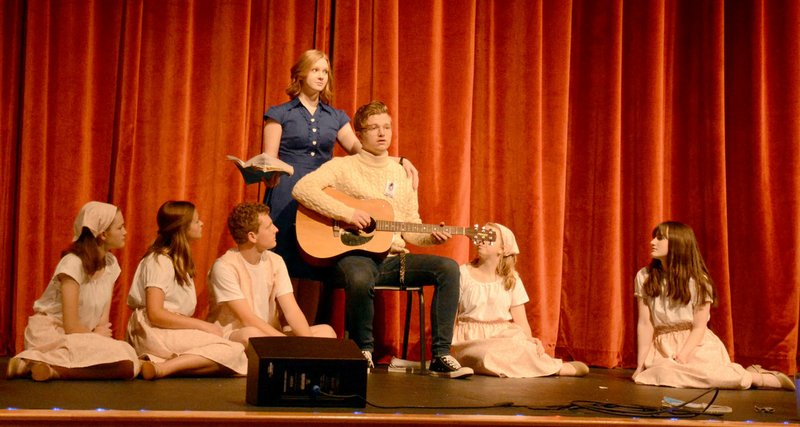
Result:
412,227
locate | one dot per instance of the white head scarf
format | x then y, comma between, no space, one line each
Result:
96,216
508,240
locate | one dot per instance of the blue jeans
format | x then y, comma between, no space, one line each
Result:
358,275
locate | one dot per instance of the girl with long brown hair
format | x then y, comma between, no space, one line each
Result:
674,345
162,295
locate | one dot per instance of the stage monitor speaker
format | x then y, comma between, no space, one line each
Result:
305,371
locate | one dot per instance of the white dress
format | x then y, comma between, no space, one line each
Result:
45,339
485,338
709,366
160,344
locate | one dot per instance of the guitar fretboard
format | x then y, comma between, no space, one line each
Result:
411,227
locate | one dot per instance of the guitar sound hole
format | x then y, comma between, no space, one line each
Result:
354,237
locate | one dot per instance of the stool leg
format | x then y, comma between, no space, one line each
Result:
409,302
422,337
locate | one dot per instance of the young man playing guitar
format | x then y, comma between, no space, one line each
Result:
370,174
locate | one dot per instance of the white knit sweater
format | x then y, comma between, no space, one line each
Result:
364,176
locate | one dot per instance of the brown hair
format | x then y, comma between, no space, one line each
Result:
87,248
300,71
683,263
243,219
174,219
366,111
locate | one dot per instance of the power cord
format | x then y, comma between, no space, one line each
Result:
622,410
640,411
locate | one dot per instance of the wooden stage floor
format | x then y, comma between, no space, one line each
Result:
392,399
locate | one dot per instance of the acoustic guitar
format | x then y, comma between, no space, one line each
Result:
323,240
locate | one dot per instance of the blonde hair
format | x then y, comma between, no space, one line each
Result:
506,268
300,71
174,219
683,263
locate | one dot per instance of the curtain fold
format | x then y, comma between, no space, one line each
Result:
579,124
762,93
11,49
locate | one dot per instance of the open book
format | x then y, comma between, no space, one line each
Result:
261,167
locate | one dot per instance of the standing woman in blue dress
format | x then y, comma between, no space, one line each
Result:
302,133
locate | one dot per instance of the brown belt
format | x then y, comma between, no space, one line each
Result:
675,327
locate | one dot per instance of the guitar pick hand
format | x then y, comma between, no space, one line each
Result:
361,219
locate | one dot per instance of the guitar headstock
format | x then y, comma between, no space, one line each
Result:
481,234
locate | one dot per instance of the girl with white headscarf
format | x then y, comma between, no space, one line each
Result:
69,335
492,334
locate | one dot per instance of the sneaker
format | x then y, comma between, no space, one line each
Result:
448,367
17,368
368,355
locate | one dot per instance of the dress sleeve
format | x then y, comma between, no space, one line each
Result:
112,267
638,283
519,295
342,118
71,266
693,285
158,272
276,112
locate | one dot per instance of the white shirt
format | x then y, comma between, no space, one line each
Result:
269,278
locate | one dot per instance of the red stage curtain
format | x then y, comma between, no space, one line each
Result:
579,124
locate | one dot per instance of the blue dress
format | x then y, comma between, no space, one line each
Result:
307,142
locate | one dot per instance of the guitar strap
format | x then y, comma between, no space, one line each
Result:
402,270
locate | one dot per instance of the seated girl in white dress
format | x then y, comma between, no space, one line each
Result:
69,335
492,334
161,327
675,348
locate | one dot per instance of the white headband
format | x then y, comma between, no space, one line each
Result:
96,216
509,242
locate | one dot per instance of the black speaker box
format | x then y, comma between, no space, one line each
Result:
305,371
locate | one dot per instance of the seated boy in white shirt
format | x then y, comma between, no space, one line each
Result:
249,283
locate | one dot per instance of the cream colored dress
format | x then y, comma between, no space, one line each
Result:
45,339
709,366
160,344
485,338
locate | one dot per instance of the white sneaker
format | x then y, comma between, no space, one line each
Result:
368,355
